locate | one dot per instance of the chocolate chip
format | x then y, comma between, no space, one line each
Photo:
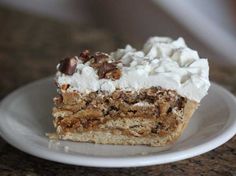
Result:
68,65
84,56
105,68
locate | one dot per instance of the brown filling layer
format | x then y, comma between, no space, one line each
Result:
162,109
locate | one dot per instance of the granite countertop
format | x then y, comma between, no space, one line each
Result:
30,47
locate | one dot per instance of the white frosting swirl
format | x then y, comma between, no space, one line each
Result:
162,62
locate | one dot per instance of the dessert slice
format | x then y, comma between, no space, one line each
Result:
130,97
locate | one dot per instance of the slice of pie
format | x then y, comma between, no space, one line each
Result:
130,96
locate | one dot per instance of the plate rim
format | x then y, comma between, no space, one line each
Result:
130,161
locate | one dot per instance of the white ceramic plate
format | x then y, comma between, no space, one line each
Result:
25,117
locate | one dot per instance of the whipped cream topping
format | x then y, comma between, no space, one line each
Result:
162,62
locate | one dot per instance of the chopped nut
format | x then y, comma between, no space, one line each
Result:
98,59
116,74
105,68
84,56
68,65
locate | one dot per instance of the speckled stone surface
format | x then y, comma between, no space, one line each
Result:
30,47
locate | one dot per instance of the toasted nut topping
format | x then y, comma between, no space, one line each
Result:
105,68
68,65
98,59
84,56
114,74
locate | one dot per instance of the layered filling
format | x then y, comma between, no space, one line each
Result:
152,111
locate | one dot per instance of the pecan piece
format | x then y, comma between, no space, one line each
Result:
113,74
104,69
98,59
84,56
116,74
68,65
